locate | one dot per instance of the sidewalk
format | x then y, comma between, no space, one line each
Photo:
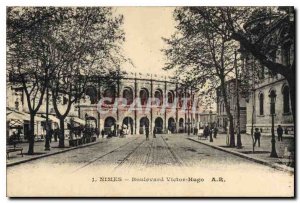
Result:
262,153
39,152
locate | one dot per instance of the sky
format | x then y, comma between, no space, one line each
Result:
144,28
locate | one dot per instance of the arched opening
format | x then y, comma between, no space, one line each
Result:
286,99
261,104
170,97
181,99
127,125
110,93
92,93
159,125
144,96
189,99
159,97
172,125
128,95
144,123
110,126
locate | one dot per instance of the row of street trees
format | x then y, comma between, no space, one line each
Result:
58,49
203,49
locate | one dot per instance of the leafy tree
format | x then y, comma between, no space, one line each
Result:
26,59
60,48
262,32
89,39
202,55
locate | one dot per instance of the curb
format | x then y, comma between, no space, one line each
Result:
257,160
50,154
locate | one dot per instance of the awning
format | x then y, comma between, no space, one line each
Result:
51,117
54,118
78,120
14,115
18,118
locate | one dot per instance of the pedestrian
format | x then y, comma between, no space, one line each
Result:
215,131
97,132
147,132
102,133
50,134
55,133
206,132
154,132
286,131
279,132
257,135
13,138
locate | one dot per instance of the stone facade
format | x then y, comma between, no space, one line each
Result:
141,86
262,112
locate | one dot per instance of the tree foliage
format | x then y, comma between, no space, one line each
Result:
202,55
61,47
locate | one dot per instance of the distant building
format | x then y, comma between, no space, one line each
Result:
143,87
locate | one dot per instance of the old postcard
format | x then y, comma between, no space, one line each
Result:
150,101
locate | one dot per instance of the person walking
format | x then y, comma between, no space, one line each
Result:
154,132
147,132
215,131
206,132
257,136
102,133
55,134
50,134
279,132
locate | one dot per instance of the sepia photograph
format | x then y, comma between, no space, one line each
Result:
141,101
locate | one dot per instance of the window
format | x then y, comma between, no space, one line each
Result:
170,97
109,93
92,93
261,104
128,95
144,96
286,99
159,97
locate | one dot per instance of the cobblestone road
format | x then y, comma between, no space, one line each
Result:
166,155
137,153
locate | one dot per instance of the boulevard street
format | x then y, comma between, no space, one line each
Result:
172,158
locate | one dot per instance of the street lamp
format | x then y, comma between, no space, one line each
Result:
272,96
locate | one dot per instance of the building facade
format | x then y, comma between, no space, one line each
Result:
164,116
280,44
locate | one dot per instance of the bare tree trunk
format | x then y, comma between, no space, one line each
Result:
229,115
61,143
31,135
231,132
239,141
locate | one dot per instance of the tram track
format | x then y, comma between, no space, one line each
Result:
146,162
106,154
128,155
176,159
